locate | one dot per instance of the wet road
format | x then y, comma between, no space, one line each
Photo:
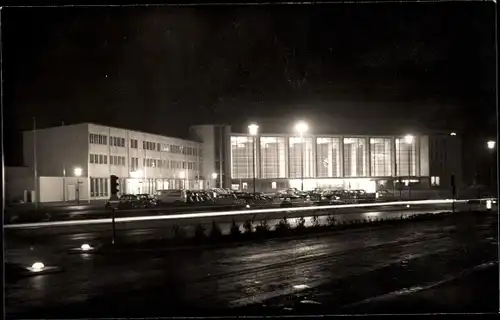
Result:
276,276
28,241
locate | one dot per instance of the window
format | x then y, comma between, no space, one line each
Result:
405,158
101,159
328,157
273,185
91,160
134,163
435,181
92,187
301,157
112,160
133,143
158,147
355,157
380,157
241,157
98,138
105,159
272,157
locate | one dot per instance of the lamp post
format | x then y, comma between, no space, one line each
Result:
491,146
78,174
214,177
253,130
409,140
301,127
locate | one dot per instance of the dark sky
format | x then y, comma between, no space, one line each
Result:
161,69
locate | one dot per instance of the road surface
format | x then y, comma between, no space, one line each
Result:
32,239
308,275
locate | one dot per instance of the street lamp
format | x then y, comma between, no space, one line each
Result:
491,146
301,127
409,140
253,130
78,173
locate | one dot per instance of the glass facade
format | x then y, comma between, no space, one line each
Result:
328,157
381,157
406,160
355,157
301,152
241,157
272,157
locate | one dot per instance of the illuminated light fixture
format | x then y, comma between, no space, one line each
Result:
491,144
407,205
37,267
214,175
78,172
409,139
86,247
301,127
453,134
488,204
248,206
253,129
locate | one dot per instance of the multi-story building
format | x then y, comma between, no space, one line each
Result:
367,162
216,157
144,162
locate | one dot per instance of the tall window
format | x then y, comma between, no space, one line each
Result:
328,157
406,163
241,157
354,157
272,157
380,157
301,152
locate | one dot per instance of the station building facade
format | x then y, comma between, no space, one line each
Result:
214,156
366,162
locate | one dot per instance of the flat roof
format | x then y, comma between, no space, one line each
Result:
119,128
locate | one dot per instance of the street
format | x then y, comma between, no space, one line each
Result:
276,276
55,236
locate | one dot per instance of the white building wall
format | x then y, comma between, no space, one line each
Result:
59,150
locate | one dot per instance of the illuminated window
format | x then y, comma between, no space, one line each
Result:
380,157
435,181
328,157
273,185
241,157
300,152
405,158
355,157
272,157
245,185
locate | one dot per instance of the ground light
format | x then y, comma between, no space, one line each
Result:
488,204
86,247
37,267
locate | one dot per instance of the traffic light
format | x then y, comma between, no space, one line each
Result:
115,184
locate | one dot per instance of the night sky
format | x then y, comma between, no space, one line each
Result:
161,69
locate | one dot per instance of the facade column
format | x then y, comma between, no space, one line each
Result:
393,157
368,157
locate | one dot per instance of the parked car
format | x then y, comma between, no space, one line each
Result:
126,201
174,196
147,200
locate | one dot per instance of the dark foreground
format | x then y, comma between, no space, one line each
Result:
436,266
